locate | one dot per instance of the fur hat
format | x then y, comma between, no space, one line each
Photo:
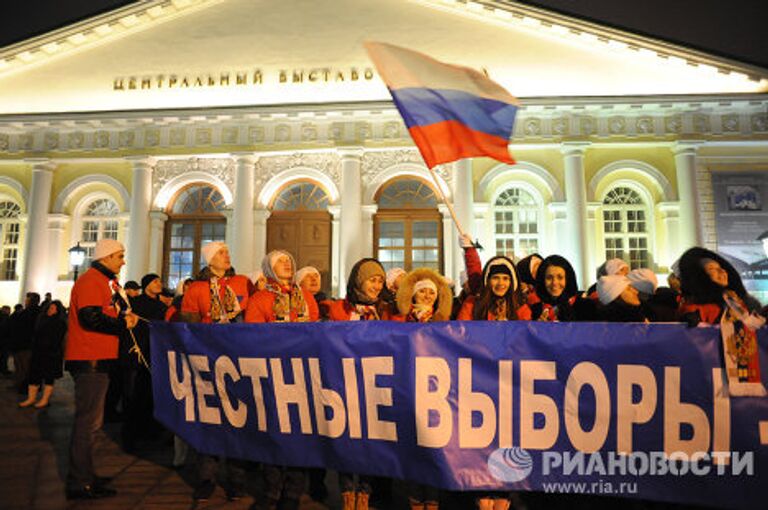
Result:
211,249
406,291
610,287
106,247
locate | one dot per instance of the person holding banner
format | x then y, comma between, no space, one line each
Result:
98,314
424,296
364,302
499,298
217,296
282,300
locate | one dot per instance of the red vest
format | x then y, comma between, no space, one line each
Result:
91,289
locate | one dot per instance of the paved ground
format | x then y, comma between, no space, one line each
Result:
33,461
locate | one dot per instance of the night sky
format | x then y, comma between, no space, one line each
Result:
730,28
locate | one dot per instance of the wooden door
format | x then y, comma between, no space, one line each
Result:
307,236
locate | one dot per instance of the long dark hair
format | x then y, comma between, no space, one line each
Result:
697,286
487,301
571,286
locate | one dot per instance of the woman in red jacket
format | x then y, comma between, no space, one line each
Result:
499,298
281,301
363,302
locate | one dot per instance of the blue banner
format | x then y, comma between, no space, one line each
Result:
628,410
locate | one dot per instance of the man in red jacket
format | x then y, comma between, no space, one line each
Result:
97,315
217,296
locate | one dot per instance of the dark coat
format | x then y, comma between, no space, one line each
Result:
48,346
147,308
23,329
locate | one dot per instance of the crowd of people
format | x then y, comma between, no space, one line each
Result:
107,336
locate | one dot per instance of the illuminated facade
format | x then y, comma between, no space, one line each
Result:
165,124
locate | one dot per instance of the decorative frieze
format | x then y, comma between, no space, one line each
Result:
168,169
712,119
375,163
270,166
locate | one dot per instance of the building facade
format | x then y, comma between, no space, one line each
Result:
168,124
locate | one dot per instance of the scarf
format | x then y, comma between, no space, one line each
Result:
420,313
288,300
364,313
499,311
223,309
742,361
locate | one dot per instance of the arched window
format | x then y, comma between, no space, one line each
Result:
99,221
516,223
625,227
9,237
408,226
304,196
196,217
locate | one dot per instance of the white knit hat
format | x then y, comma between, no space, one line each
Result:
426,283
392,276
613,266
610,287
106,247
304,271
211,249
644,280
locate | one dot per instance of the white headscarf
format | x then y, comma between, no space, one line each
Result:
610,287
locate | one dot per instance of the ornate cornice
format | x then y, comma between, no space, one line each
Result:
212,131
168,169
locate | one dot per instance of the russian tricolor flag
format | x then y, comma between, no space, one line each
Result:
452,112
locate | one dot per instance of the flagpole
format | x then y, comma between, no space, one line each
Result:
446,202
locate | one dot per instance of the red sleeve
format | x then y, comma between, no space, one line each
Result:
190,303
397,318
524,313
474,269
256,306
467,308
708,313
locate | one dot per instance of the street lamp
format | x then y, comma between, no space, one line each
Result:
76,257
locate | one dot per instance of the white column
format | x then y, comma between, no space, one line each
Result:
57,224
690,231
260,217
449,241
137,247
335,211
242,215
593,252
367,250
463,204
576,208
228,231
351,220
670,216
37,260
157,221
557,232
